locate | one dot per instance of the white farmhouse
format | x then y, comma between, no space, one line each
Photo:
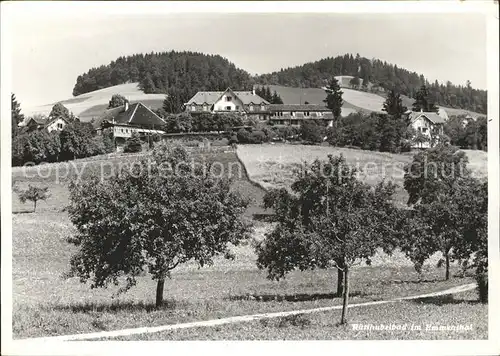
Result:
245,103
426,123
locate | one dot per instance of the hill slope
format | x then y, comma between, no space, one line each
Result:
354,100
385,75
93,104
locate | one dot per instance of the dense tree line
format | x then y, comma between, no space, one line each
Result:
381,74
76,140
376,132
467,133
181,74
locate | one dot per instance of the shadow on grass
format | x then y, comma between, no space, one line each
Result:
299,297
418,281
23,212
115,307
444,300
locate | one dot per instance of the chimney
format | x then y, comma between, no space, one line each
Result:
253,91
126,105
421,110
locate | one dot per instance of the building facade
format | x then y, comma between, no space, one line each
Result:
427,124
245,103
294,114
128,119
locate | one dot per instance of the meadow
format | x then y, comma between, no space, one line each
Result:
274,165
45,303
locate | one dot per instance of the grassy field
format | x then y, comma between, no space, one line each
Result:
416,319
47,304
273,165
57,176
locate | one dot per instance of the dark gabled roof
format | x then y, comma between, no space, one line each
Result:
137,114
211,97
431,116
40,120
298,107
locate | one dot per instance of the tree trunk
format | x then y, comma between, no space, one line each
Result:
345,304
159,292
340,280
34,205
447,273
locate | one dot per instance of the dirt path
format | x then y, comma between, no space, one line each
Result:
235,319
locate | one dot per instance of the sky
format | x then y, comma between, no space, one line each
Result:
49,52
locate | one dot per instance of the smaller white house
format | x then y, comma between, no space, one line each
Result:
40,123
56,124
427,124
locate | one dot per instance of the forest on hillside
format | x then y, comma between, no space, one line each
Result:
382,74
182,74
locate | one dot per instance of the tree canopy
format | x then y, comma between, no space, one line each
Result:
423,101
329,219
154,215
116,101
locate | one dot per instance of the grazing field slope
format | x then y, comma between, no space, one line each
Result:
93,104
354,100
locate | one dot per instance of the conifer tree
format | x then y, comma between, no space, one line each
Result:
423,101
334,98
16,115
393,105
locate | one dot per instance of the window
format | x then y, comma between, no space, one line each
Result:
204,108
228,108
424,129
250,107
262,108
306,113
228,98
292,113
193,108
237,107
59,126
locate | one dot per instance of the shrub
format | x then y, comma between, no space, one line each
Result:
257,137
243,136
107,140
312,131
233,140
133,144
